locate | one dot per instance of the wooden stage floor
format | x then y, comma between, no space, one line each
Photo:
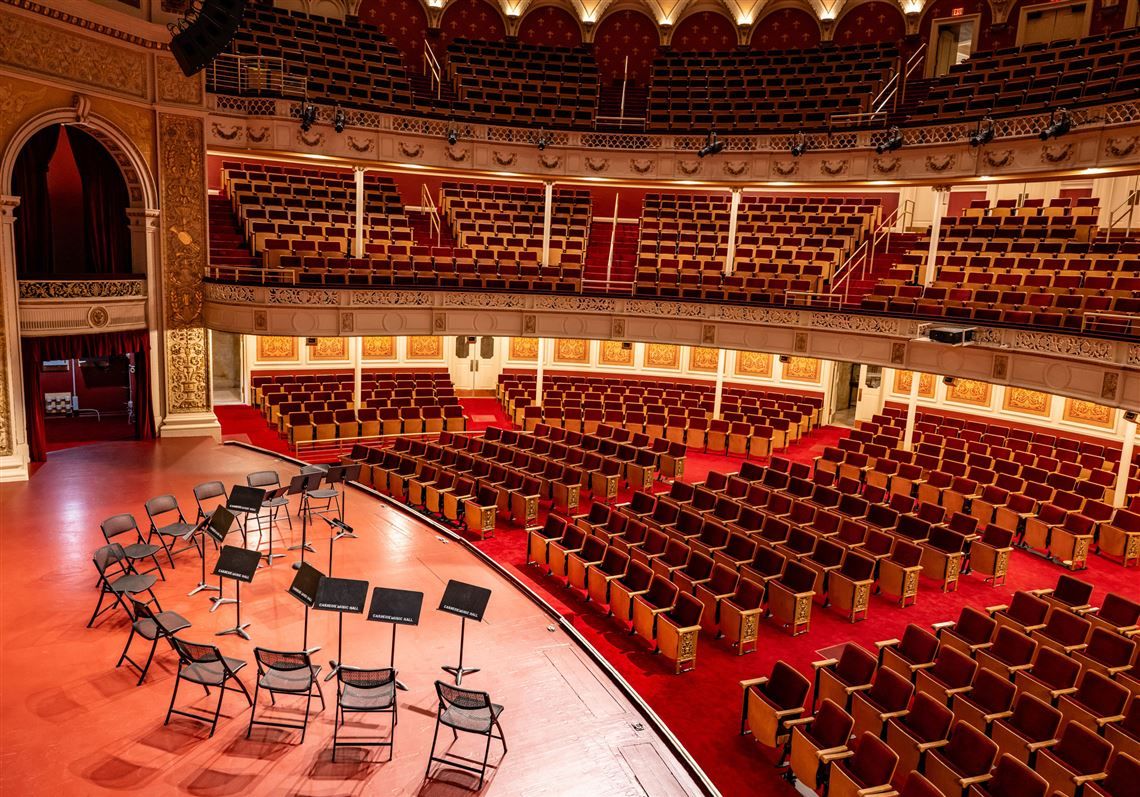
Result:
72,724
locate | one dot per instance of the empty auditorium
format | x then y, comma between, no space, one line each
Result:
761,378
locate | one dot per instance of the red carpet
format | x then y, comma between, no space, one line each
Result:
244,423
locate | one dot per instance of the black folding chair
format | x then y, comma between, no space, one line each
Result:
471,712
269,480
329,493
118,578
206,666
168,523
285,673
118,525
152,626
208,491
360,691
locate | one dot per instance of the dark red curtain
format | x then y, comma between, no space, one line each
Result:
105,203
73,347
34,250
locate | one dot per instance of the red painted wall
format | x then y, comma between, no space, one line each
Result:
470,19
550,26
786,29
703,32
622,34
403,22
869,23
960,200
1075,193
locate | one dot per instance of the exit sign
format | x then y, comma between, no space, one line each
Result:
957,12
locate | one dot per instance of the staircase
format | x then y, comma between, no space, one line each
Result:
609,104
625,254
423,234
884,265
914,97
228,246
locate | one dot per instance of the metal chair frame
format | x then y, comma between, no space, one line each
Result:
206,654
358,678
449,695
297,660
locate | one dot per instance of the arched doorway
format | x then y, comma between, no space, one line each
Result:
104,198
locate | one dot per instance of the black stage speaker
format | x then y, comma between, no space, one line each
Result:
955,336
202,36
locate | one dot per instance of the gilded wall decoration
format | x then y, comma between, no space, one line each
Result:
525,349
753,363
7,445
183,190
571,350
279,348
703,360
1089,413
81,289
329,349
802,369
137,123
662,355
378,347
13,101
614,352
174,86
903,384
969,391
425,347
1028,402
49,50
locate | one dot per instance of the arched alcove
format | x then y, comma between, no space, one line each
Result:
550,26
787,28
622,35
870,23
704,32
471,19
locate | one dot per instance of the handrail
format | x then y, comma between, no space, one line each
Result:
864,259
1092,318
890,89
1125,210
263,274
433,68
246,74
338,445
434,224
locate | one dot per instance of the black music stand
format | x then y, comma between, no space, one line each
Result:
340,595
304,588
300,485
239,564
398,607
343,474
467,601
340,529
249,500
217,525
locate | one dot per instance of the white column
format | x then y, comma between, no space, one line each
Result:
547,210
941,203
356,349
733,214
541,357
358,239
911,407
1120,497
13,428
719,389
145,249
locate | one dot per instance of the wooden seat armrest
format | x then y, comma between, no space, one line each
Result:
1000,715
754,682
1071,690
1083,609
1041,593
1080,780
892,714
925,666
959,690
875,791
811,592
830,751
1112,671
1074,648
1130,631
860,688
968,782
938,627
687,628
1001,607
802,721
818,665
982,646
886,643
789,712
839,756
1102,721
1019,667
924,746
1035,746
579,517
1037,627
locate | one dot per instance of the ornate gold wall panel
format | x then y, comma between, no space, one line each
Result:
802,369
378,347
614,352
281,348
1089,413
903,380
183,190
329,349
703,359
1030,402
751,363
969,391
571,350
425,347
524,349
662,355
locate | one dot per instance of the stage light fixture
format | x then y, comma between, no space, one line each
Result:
308,116
543,141
893,142
452,136
984,134
713,145
800,146
340,119
1060,123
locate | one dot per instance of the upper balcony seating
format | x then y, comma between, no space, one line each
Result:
754,91
1036,78
1033,263
524,84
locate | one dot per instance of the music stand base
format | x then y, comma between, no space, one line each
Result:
342,534
269,557
203,587
219,601
304,546
459,672
237,630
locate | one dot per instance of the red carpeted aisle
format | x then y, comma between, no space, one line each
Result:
246,424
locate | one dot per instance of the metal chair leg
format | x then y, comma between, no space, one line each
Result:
149,658
173,697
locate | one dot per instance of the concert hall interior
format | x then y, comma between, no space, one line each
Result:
676,398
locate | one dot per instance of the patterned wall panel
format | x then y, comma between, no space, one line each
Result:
1089,414
329,349
786,29
877,21
626,34
277,348
662,355
469,19
525,349
802,369
425,347
703,360
613,353
1028,402
969,391
705,31
753,363
550,26
903,383
570,350
378,347
403,22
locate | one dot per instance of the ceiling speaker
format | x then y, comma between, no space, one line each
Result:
204,32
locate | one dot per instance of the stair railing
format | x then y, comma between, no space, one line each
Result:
1125,211
245,74
428,206
891,89
862,259
433,70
